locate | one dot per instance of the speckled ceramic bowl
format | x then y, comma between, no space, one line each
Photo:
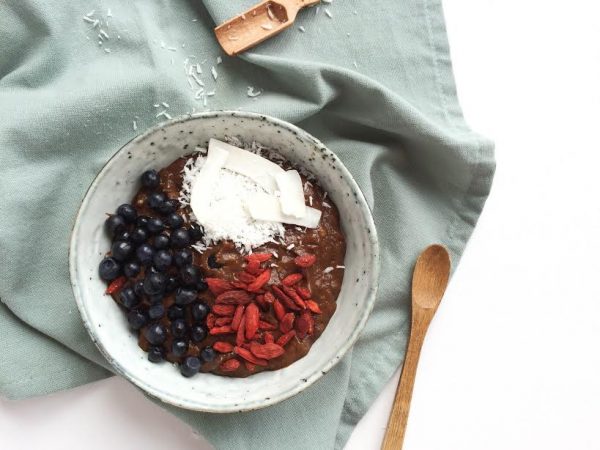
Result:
106,324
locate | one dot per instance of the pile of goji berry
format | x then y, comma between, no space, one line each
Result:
239,305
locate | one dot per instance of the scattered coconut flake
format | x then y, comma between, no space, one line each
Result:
198,68
173,49
310,200
340,267
99,42
165,114
210,94
156,105
183,45
197,80
252,93
213,71
165,104
325,195
328,269
275,254
266,26
347,34
96,23
204,101
328,13
355,64
289,247
326,205
87,19
107,50
270,13
162,44
91,13
109,13
274,265
134,125
219,60
317,9
327,1
302,29
298,228
118,36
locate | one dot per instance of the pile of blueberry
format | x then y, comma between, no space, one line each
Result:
150,259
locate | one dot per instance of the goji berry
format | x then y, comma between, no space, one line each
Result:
252,318
260,281
285,300
266,351
305,260
218,286
260,257
313,306
268,337
304,325
260,301
223,347
264,325
291,279
248,356
210,320
279,310
230,365
223,310
287,323
253,267
239,285
250,367
222,321
269,297
303,292
115,285
285,338
245,277
235,297
241,332
294,296
237,317
221,330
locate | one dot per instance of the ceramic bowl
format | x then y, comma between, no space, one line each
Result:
116,184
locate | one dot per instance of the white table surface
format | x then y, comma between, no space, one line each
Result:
512,360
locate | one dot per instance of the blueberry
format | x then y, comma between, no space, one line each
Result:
190,366
155,225
131,269
136,319
114,224
155,334
150,179
169,206
196,232
189,275
156,312
184,296
183,257
198,333
109,269
128,298
123,236
201,286
145,253
180,238
176,312
179,348
162,260
155,283
139,235
174,221
199,311
178,328
161,241
155,354
212,262
128,212
122,250
172,284
138,288
142,221
207,354
156,298
155,199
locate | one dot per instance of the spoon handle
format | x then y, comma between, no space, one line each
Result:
394,435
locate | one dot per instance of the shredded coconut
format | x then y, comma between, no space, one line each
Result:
229,220
291,246
327,269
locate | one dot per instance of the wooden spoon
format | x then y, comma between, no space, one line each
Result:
428,285
264,20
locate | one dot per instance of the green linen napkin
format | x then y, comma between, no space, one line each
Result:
372,80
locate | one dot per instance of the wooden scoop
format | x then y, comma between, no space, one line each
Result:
428,286
258,23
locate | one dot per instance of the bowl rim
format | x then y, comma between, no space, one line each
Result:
373,276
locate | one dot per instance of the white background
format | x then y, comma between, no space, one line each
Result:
512,359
